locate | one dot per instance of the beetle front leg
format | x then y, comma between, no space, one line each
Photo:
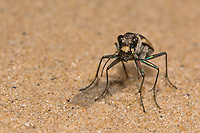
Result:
116,61
143,77
125,70
96,76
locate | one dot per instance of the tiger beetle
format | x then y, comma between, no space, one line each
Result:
132,46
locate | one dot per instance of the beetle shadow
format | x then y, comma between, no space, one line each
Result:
117,82
87,97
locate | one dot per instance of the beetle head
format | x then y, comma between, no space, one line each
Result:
127,42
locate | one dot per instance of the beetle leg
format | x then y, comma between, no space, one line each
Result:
157,55
96,76
125,70
137,69
104,66
114,56
116,61
157,68
143,76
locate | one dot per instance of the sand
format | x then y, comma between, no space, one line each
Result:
51,49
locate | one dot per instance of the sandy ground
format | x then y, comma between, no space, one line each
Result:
50,49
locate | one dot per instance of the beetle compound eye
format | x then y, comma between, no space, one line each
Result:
119,38
135,41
